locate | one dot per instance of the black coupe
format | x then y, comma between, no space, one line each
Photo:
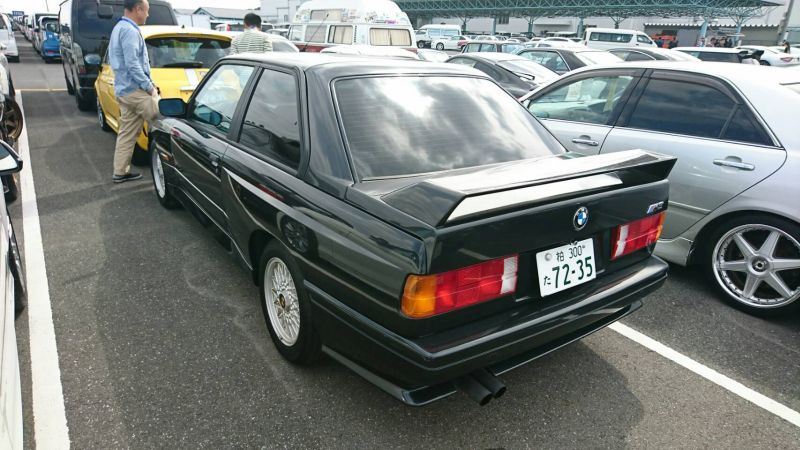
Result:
414,222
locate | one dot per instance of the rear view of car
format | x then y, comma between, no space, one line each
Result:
50,47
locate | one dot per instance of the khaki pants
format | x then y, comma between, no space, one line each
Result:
134,109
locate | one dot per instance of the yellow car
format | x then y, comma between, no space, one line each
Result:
179,58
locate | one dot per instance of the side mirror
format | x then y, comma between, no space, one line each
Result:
10,162
172,107
214,118
105,11
3,46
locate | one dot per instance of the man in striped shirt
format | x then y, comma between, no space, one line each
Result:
253,40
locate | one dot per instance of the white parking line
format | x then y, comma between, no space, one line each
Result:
49,418
760,400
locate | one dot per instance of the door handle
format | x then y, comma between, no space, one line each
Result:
215,163
588,142
734,164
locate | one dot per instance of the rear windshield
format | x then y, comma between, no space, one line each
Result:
598,57
89,25
511,48
716,57
396,126
187,52
50,25
525,67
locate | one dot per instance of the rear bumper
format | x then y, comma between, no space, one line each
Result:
419,371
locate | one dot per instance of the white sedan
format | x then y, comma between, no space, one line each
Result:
449,43
774,56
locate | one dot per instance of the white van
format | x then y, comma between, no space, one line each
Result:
429,33
608,38
323,23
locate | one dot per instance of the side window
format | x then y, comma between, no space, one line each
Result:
340,34
469,48
271,126
551,60
315,33
590,100
487,48
643,39
216,101
682,108
744,128
389,36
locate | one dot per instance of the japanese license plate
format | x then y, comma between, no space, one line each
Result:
564,267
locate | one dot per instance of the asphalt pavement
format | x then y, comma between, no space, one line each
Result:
162,343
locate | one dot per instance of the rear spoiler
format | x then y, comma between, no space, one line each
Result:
446,200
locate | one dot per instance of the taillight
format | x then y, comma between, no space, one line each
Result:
787,59
428,295
636,235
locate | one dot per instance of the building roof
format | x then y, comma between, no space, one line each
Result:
719,25
579,8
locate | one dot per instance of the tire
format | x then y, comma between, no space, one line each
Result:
734,273
440,46
301,345
163,191
10,188
13,59
764,63
101,117
140,157
420,44
84,104
15,263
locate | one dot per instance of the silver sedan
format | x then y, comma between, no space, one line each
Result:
735,190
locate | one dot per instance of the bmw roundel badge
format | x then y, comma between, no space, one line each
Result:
581,218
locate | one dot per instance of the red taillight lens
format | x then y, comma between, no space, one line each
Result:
787,59
636,235
428,295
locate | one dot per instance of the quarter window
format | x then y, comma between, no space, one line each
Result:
389,36
643,39
271,126
216,101
590,100
682,108
340,34
744,128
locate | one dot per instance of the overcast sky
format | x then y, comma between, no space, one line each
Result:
39,5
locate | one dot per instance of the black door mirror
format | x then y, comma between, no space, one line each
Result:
10,162
105,11
172,107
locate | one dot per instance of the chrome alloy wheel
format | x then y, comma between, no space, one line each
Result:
100,116
758,265
283,305
158,174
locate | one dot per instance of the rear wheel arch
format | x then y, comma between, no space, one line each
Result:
700,245
257,242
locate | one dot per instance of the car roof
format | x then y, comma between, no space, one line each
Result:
333,66
149,31
491,56
736,73
709,49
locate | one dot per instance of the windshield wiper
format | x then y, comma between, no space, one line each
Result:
184,64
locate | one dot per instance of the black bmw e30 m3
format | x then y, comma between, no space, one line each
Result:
412,221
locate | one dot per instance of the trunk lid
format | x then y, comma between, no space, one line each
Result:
474,215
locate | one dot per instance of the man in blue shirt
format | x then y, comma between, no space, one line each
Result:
135,92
